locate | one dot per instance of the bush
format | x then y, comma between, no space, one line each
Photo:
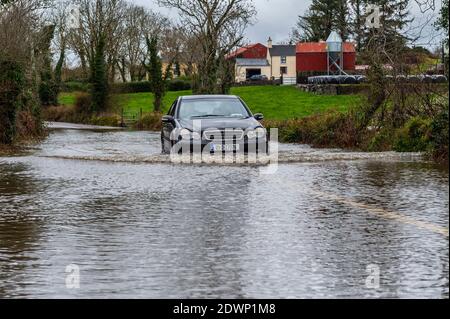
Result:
414,136
381,141
352,89
48,93
439,135
332,129
27,126
179,85
131,87
70,115
75,87
83,103
144,86
79,113
105,120
150,122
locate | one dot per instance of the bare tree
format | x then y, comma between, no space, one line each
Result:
99,19
137,23
218,27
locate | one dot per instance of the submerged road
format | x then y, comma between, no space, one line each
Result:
137,225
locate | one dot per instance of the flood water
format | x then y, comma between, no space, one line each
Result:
159,230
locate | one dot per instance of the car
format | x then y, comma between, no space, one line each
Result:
212,124
256,78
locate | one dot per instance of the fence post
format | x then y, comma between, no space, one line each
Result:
122,123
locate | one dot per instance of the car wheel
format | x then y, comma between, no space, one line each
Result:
163,148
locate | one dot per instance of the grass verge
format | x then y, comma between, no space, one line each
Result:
275,102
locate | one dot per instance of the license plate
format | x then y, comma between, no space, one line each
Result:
225,148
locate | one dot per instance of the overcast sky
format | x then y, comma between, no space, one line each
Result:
276,18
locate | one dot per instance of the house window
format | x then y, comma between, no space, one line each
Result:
283,70
283,60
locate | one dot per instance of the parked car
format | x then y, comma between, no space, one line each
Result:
256,78
212,123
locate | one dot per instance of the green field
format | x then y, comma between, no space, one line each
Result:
275,102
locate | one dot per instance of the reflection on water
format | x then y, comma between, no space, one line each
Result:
140,230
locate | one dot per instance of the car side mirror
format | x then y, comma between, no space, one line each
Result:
168,119
258,117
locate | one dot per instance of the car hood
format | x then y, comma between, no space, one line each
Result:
222,123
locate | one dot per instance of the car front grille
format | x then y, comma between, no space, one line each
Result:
224,135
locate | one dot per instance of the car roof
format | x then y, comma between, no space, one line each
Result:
208,97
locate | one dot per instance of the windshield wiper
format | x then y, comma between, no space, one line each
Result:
210,115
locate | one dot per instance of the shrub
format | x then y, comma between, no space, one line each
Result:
75,87
57,113
69,114
179,85
131,87
48,92
27,126
144,86
414,136
381,141
439,135
332,129
150,122
105,120
83,103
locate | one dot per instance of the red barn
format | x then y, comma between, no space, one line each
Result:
312,56
252,51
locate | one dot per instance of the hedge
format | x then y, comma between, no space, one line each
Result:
128,87
144,86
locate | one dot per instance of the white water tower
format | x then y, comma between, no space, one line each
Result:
335,52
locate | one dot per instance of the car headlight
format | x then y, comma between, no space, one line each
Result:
258,133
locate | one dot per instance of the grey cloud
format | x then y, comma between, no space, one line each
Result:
276,18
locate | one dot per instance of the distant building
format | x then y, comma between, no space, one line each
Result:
250,60
282,59
246,68
312,57
286,61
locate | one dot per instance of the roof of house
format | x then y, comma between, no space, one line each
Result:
252,62
321,47
283,50
243,49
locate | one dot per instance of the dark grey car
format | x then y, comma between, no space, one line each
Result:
212,123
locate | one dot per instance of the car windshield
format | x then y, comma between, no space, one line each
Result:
191,109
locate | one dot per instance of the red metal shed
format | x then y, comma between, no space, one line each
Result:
312,56
252,51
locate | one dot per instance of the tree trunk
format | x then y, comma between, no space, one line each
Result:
158,102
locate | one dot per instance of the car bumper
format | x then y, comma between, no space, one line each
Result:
245,146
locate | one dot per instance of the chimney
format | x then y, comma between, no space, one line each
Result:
269,43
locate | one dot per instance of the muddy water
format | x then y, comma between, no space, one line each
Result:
143,229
